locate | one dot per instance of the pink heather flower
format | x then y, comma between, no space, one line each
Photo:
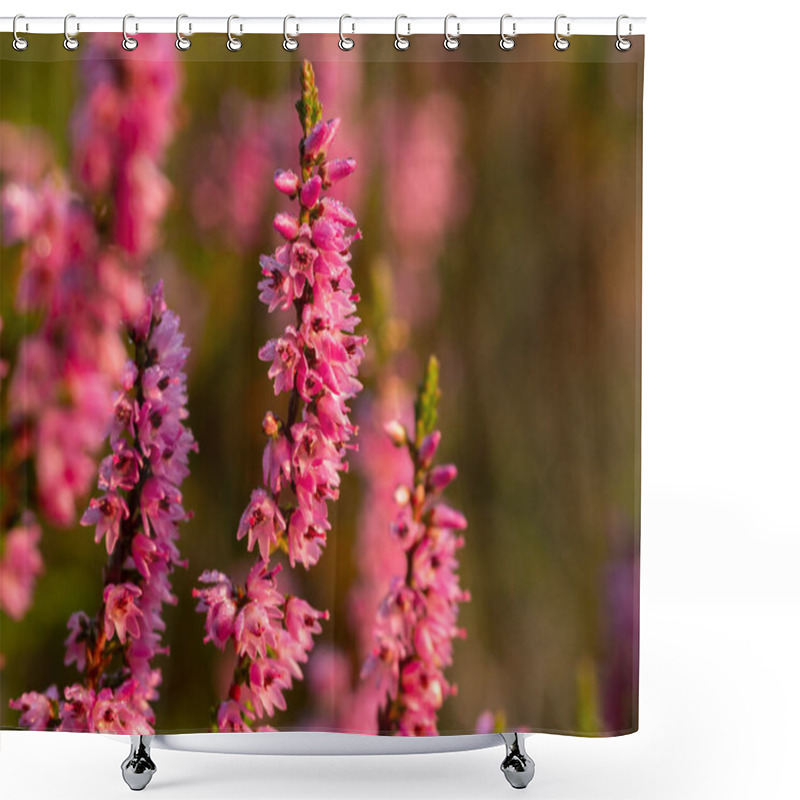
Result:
443,516
20,566
286,225
106,513
261,588
229,717
275,288
338,169
302,621
287,359
114,712
120,470
301,265
122,613
218,603
261,522
76,710
416,623
268,681
305,540
253,631
38,710
277,464
440,477
427,450
328,235
315,361
333,210
287,182
309,194
75,644
320,139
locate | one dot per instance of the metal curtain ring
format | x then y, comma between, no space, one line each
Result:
128,42
623,44
234,44
507,42
401,42
451,42
560,43
181,42
70,42
345,42
19,43
289,43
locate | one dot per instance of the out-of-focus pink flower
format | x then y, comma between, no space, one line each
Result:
237,151
485,723
20,566
81,251
121,130
26,154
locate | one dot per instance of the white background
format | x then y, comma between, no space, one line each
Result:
720,685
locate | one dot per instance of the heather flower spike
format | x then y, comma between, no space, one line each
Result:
137,516
315,362
416,623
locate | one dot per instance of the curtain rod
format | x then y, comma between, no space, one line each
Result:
297,25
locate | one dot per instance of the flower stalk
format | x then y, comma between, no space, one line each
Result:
136,518
315,361
416,623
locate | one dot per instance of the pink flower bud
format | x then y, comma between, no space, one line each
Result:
286,181
338,169
441,476
328,235
427,450
443,516
338,212
396,432
310,192
286,225
320,138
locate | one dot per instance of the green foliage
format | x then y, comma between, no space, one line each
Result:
309,108
427,401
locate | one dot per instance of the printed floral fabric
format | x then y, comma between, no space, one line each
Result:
320,386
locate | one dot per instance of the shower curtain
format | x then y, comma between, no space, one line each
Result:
320,386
